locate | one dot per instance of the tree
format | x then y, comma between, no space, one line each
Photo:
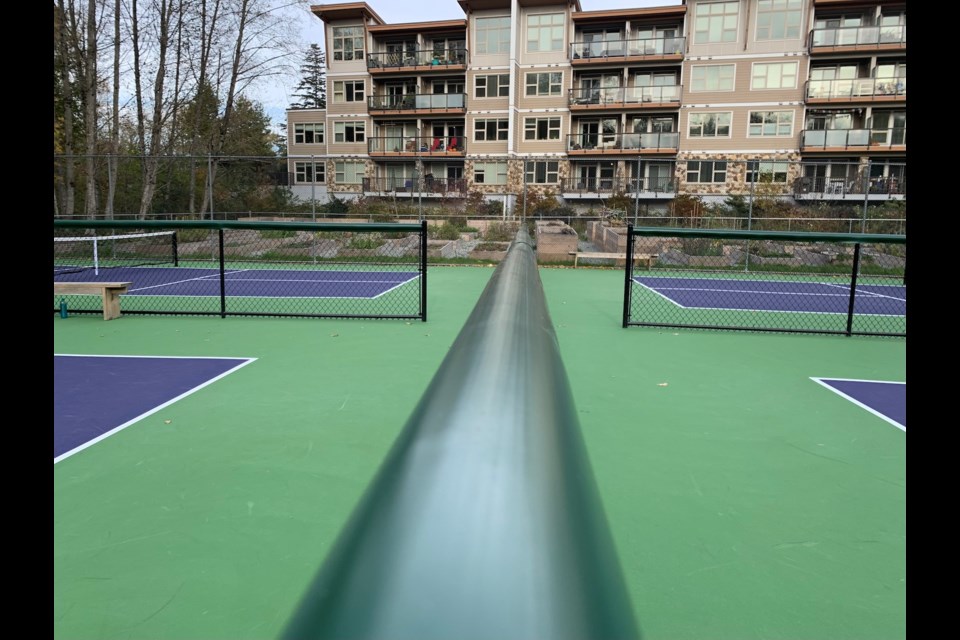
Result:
312,90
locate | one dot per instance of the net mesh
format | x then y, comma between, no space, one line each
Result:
82,253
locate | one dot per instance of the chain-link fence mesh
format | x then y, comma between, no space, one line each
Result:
766,281
245,268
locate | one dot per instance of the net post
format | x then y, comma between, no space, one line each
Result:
223,278
628,277
96,258
173,242
423,270
853,287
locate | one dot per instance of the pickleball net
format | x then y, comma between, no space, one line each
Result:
83,253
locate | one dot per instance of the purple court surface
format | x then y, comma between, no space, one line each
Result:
252,283
886,400
96,396
763,295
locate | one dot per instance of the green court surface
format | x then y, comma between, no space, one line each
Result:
745,500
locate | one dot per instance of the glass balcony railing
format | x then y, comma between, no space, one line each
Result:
615,185
418,101
627,48
853,185
428,184
811,140
418,145
856,88
619,142
616,96
440,58
873,36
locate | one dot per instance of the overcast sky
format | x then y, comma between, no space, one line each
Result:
277,96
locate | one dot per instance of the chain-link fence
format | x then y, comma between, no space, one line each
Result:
226,268
852,284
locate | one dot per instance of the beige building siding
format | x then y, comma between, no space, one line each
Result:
336,108
309,116
484,147
487,59
524,56
344,66
541,146
475,104
542,102
743,79
739,129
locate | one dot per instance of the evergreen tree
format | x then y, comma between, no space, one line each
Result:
312,90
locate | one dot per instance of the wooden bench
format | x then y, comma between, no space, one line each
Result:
109,291
648,258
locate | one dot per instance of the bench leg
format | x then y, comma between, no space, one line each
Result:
111,304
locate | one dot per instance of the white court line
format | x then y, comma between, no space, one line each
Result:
869,293
197,279
667,298
821,382
415,277
64,456
777,293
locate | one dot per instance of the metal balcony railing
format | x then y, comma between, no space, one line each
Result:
856,88
884,185
872,36
616,185
620,142
418,102
616,96
627,48
417,145
427,184
440,58
811,140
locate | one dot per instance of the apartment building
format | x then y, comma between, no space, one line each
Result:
804,97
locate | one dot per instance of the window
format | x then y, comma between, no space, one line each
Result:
545,32
349,172
347,43
542,172
496,86
308,133
707,171
767,171
709,125
714,77
490,172
770,123
305,171
774,75
348,91
541,128
493,35
544,84
489,130
716,22
349,131
778,19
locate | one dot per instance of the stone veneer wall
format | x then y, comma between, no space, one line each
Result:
369,171
736,174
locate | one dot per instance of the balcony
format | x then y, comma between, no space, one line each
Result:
830,140
584,53
599,99
417,104
821,188
588,144
416,146
856,90
421,60
428,187
585,188
865,39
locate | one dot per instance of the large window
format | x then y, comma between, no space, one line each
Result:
307,171
347,43
493,35
349,172
490,130
308,133
497,86
712,77
774,75
778,19
716,22
541,128
767,171
707,171
544,84
542,172
349,131
545,32
490,172
710,125
770,124
348,91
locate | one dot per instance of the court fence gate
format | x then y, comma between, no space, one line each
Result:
231,268
824,283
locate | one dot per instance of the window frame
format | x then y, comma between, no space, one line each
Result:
505,86
774,165
547,171
313,129
708,16
751,124
766,76
503,46
339,41
535,129
714,171
339,167
354,124
535,85
501,127
484,166
343,91
694,68
316,169
540,28
772,12
717,124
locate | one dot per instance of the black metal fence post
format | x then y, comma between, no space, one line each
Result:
223,278
423,270
853,287
628,280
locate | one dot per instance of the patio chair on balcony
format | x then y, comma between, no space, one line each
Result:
454,142
437,145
